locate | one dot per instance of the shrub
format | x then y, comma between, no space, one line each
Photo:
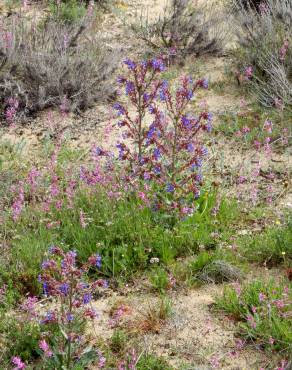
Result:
184,29
264,55
50,65
68,11
264,312
207,268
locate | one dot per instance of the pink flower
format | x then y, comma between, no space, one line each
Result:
18,363
268,126
262,297
248,72
46,348
271,340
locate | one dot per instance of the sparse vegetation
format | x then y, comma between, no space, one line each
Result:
121,225
184,29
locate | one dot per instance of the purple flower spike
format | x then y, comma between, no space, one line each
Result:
130,64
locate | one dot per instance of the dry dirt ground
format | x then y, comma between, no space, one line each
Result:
193,335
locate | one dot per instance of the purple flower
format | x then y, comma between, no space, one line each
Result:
64,288
204,151
190,94
146,98
190,147
87,298
197,194
158,65
151,131
147,176
157,170
209,117
169,188
45,288
151,109
18,363
121,80
130,64
69,317
98,261
186,121
129,87
119,108
208,127
156,154
199,177
162,95
205,83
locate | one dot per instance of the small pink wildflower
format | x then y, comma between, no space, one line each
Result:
252,321
214,362
82,219
262,297
46,348
245,130
18,363
268,126
248,72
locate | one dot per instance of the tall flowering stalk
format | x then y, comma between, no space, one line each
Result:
163,141
141,87
72,293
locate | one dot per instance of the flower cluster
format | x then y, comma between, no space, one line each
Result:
63,280
163,142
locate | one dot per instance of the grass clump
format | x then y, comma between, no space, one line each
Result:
263,310
264,55
271,248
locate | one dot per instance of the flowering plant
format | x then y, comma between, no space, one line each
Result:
166,154
63,280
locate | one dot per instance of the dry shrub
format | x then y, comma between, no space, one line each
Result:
53,64
265,43
218,272
186,26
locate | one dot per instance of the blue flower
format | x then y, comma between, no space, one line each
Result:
69,317
186,121
162,95
205,83
190,94
204,151
151,109
156,154
151,131
199,177
45,288
208,127
64,288
157,170
98,150
45,265
158,65
197,194
129,87
169,188
146,98
190,147
130,64
87,298
119,108
98,261
209,117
